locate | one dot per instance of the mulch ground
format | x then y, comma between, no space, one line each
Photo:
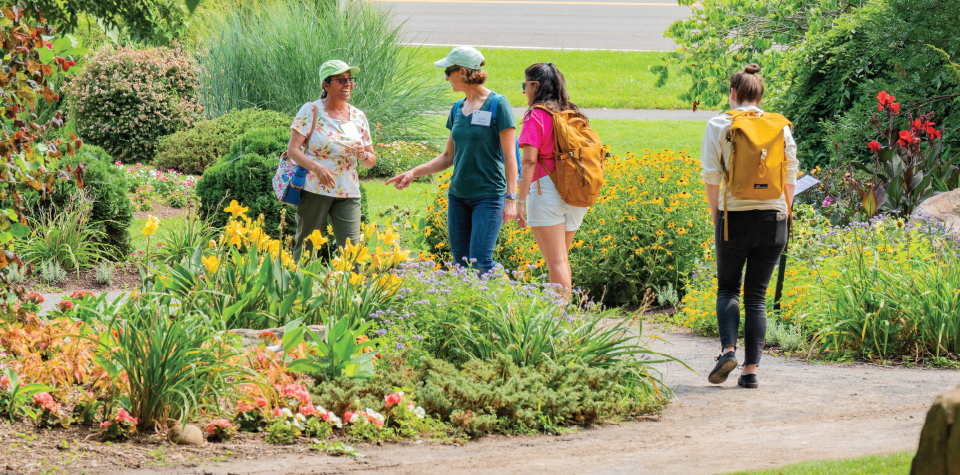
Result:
25,449
125,278
161,212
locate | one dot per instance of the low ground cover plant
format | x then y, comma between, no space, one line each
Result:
617,255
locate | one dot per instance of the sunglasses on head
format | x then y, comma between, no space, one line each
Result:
451,70
344,81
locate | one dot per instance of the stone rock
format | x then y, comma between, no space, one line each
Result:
939,450
185,435
944,208
250,338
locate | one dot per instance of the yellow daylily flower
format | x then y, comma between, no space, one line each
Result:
356,279
213,244
401,255
151,226
340,264
211,263
316,239
235,209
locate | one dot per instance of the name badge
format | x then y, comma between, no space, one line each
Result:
480,118
350,131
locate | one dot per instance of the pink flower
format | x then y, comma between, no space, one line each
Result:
308,409
124,416
5,382
296,391
827,201
214,424
34,297
65,305
81,294
392,399
277,412
351,417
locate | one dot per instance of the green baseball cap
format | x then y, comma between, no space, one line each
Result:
463,56
334,67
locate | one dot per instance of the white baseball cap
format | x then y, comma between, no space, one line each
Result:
463,56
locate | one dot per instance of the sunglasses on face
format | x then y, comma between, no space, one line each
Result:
450,71
523,85
345,81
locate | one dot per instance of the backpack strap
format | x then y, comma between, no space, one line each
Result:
456,110
493,109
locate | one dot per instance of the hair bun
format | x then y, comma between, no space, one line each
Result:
753,68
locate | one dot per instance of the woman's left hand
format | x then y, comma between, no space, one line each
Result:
509,211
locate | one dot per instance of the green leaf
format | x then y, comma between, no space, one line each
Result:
192,5
46,55
18,230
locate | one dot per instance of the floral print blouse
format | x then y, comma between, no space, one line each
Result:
326,146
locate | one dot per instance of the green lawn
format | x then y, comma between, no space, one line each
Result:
595,79
628,135
893,464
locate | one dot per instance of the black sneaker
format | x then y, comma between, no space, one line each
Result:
748,381
725,364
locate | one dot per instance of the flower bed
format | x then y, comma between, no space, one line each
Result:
149,186
649,225
872,290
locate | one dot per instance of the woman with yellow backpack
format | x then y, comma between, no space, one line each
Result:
753,155
562,168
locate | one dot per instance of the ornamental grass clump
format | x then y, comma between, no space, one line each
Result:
127,98
241,68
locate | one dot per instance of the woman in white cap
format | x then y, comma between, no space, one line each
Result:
338,139
482,150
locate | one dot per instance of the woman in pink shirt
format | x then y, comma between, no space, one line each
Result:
554,222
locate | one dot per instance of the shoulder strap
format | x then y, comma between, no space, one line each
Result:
455,110
493,108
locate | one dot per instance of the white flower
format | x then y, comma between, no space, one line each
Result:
420,412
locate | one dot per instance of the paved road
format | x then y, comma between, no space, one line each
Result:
551,24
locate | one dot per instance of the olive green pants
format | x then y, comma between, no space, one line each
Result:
312,212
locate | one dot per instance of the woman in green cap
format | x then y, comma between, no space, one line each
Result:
482,150
337,138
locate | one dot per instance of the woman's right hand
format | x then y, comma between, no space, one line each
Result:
324,175
402,180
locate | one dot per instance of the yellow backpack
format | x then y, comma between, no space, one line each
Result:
758,164
580,156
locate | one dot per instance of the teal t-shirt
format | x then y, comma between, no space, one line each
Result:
478,170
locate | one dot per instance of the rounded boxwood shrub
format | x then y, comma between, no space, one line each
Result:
400,156
268,142
126,99
191,151
107,185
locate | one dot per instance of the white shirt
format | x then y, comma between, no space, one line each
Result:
715,145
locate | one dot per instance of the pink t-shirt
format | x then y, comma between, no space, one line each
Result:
537,130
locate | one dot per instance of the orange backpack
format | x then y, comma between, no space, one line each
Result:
757,168
580,156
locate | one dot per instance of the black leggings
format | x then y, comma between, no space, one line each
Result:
756,240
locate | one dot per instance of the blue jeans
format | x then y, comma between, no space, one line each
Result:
473,226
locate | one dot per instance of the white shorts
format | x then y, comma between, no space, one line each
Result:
546,208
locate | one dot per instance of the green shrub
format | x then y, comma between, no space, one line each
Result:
399,156
266,142
193,150
247,179
126,99
243,70
498,396
106,185
829,87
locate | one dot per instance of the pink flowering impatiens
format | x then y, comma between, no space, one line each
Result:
121,426
220,430
393,399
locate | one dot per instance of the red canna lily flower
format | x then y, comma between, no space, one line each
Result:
874,146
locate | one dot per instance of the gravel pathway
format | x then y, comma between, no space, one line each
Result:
801,411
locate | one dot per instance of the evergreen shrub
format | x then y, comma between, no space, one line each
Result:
126,99
191,151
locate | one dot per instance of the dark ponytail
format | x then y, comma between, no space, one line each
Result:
551,90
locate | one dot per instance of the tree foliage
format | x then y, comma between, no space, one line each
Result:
721,36
144,19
